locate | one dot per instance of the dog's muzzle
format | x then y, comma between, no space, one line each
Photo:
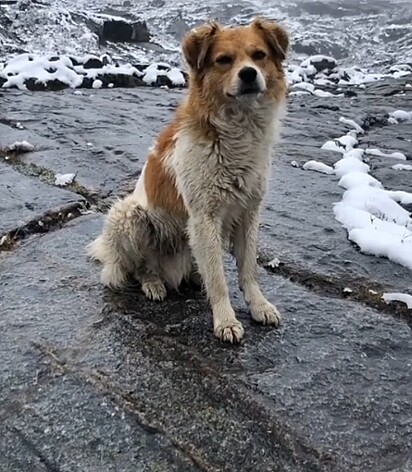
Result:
248,86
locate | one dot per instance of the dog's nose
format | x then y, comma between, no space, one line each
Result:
248,74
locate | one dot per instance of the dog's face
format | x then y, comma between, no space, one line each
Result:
242,64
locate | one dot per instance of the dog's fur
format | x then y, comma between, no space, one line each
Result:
203,182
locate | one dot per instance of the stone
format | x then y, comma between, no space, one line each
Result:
123,31
24,201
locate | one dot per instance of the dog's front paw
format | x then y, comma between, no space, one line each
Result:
265,313
154,290
229,331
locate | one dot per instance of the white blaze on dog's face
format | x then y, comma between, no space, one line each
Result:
243,63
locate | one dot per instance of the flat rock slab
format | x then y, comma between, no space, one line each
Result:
104,137
93,379
25,199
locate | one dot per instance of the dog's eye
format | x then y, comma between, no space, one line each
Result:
258,55
224,60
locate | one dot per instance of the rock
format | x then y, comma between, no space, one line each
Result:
320,62
123,31
35,85
93,63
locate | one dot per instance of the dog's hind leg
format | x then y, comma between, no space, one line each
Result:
118,247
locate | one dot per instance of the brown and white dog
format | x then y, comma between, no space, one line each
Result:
203,182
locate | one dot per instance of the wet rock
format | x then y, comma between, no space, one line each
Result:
123,31
24,200
88,380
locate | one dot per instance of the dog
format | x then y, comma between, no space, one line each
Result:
202,185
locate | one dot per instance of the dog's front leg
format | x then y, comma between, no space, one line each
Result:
205,232
245,249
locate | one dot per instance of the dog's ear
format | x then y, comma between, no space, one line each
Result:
275,35
197,43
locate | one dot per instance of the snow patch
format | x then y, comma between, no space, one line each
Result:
318,167
62,180
398,297
402,167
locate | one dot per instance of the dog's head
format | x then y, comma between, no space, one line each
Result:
242,63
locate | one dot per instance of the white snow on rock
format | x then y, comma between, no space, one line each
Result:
323,93
72,70
350,164
64,179
28,66
356,179
176,77
159,69
20,146
305,86
318,167
352,124
402,167
401,115
333,146
378,152
373,217
398,297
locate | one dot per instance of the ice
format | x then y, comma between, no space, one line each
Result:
97,84
318,167
398,297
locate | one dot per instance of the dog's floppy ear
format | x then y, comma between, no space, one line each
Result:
197,43
275,35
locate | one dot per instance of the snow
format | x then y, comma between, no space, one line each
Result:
20,146
356,179
322,93
401,115
305,86
274,263
42,69
352,124
402,167
398,297
176,76
350,164
373,217
64,179
333,146
378,152
318,167
27,66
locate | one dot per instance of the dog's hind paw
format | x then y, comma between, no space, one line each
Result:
154,290
229,331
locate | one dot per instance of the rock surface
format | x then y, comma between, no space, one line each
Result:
94,380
